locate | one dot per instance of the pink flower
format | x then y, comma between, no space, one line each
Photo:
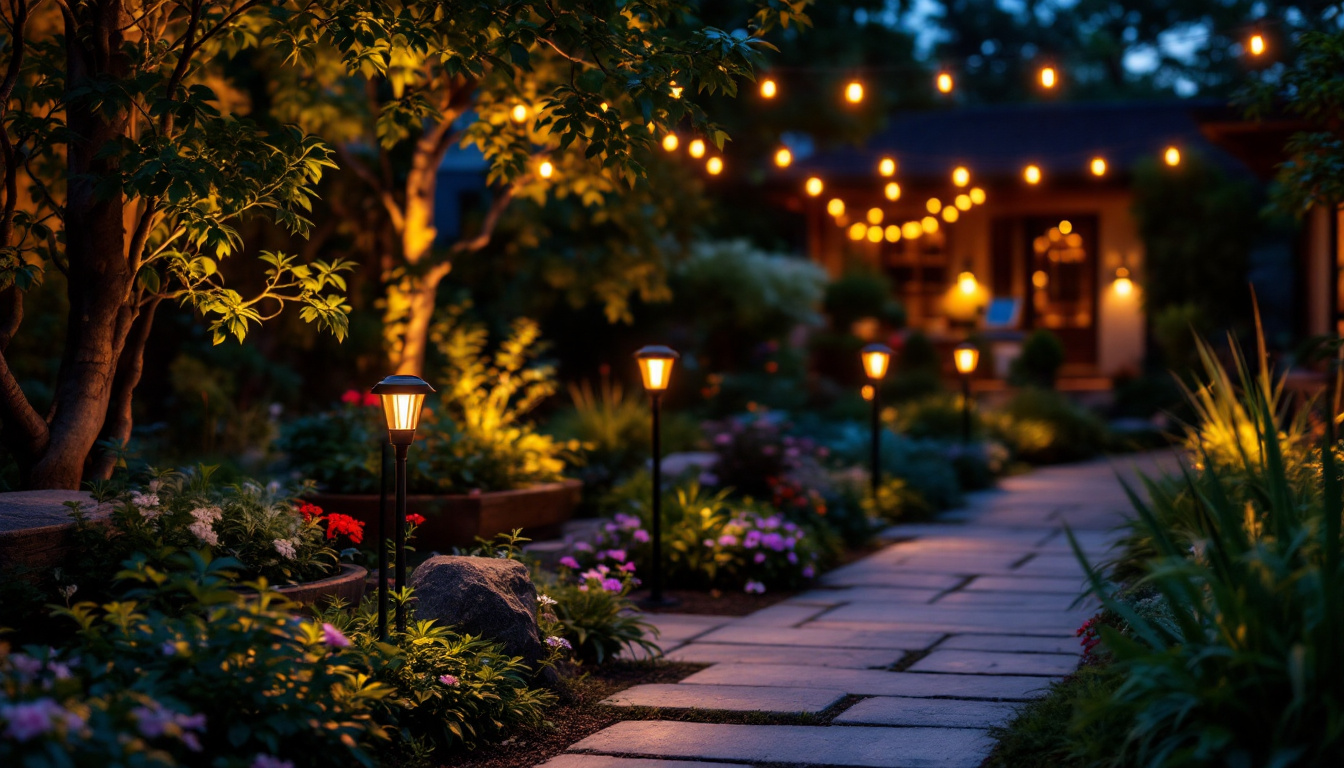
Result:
569,562
754,588
627,567
728,540
448,680
809,571
333,637
759,558
616,554
641,535
612,585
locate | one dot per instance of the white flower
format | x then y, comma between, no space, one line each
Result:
207,515
285,547
144,502
558,642
545,600
69,591
204,532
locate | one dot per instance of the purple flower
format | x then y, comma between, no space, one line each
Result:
752,539
612,585
641,535
773,541
448,680
759,558
558,642
627,567
809,571
267,761
723,438
754,588
616,554
30,719
709,542
793,557
169,648
333,637
790,542
583,546
569,562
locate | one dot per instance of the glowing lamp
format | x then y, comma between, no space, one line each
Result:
951,214
854,92
934,205
714,165
967,284
929,224
977,195
546,169
961,177
670,142
886,166
911,230
1257,45
813,186
857,231
1098,166
518,113
769,88
604,106
892,191
867,391
655,366
674,89
697,148
966,356
1032,174
874,234
944,82
1123,285
876,358
783,157
1065,227
963,202
874,215
402,398
1049,78
892,233
835,206
1172,156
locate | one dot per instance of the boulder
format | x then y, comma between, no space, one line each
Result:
486,596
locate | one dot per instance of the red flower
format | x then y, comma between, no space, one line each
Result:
309,511
415,519
344,524
351,397
371,399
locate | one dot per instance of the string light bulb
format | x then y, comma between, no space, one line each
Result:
813,186
857,231
977,195
769,88
697,148
604,106
1172,156
836,207
1123,285
911,230
886,166
1049,77
892,233
518,113
934,205
1098,166
874,234
1256,44
929,224
944,82
963,202
546,169
874,215
951,214
1032,174
854,92
783,158
670,142
961,176
674,89
967,284
714,165
892,191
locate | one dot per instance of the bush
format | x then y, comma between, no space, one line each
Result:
1041,426
935,418
1038,365
593,611
856,295
1058,731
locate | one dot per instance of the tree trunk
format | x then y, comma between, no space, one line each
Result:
420,301
99,282
130,364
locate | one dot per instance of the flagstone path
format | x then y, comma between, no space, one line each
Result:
942,633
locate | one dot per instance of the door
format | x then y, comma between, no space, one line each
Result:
1061,280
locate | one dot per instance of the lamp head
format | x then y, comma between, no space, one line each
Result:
403,397
655,366
966,356
876,360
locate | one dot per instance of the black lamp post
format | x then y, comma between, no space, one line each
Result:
966,356
403,397
655,366
876,359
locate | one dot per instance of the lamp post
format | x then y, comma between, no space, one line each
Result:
655,366
403,397
966,356
876,359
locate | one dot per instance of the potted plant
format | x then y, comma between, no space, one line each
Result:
478,468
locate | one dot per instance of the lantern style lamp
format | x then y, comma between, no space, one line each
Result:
655,367
402,397
876,360
967,357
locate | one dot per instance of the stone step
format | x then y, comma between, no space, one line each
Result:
718,653
735,698
871,682
937,713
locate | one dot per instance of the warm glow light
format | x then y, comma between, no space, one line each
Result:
944,82
961,177
963,202
697,148
874,215
854,92
1098,166
858,230
911,230
866,391
783,157
402,398
813,186
1049,78
1040,279
876,358
769,88
966,356
950,214
674,89
967,284
835,206
977,195
670,142
928,224
1172,156
546,169
1065,227
655,366
892,191
1123,285
874,234
714,165
604,106
886,166
893,233
519,113
934,205
402,412
1032,174
1257,45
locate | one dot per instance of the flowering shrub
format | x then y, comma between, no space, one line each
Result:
755,457
592,610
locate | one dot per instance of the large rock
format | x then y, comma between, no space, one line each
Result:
485,596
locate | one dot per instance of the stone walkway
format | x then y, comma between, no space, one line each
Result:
928,642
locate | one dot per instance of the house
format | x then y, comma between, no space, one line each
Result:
1004,219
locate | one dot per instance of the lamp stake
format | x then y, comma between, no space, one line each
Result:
382,543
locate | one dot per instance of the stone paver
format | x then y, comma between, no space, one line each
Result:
940,713
860,746
990,602
736,698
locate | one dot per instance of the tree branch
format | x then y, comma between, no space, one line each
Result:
366,174
25,431
492,216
